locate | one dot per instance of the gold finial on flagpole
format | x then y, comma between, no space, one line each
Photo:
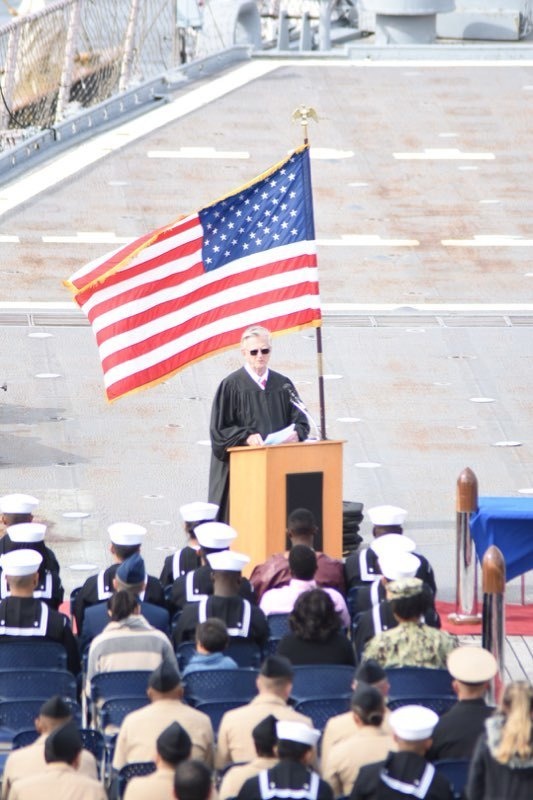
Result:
303,114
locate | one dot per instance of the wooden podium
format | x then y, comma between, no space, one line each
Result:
267,483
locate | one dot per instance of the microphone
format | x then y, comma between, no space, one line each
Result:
297,401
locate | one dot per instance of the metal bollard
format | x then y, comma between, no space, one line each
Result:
466,603
493,635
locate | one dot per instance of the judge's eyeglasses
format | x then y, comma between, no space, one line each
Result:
264,351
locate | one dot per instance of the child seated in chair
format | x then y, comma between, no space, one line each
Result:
211,639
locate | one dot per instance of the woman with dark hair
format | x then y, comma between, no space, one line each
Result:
316,636
502,763
128,642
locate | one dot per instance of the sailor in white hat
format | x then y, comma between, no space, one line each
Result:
362,567
186,559
212,537
243,619
472,669
293,776
125,539
15,508
23,616
31,535
406,773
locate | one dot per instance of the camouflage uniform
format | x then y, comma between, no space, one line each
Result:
411,644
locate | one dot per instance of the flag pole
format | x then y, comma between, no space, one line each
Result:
303,114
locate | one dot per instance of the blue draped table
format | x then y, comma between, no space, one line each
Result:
506,522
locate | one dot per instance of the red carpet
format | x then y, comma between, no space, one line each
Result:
518,620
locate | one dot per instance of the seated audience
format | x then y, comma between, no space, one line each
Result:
369,742
316,636
60,777
362,567
406,773
293,776
274,685
302,567
138,733
127,642
241,618
126,539
130,576
342,726
457,731
502,763
264,736
212,639
301,529
187,558
30,760
411,642
24,617
173,745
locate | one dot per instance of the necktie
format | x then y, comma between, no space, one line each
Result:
263,382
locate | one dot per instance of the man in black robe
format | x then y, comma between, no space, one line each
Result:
249,404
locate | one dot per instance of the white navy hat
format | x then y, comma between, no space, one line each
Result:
297,732
21,562
126,533
18,504
27,532
397,565
228,561
215,535
194,512
413,723
387,515
392,543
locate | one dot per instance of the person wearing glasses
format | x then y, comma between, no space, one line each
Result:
249,404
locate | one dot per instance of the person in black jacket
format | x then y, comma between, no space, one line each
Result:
30,535
406,773
293,776
186,559
242,619
362,567
502,763
126,539
27,618
457,731
213,537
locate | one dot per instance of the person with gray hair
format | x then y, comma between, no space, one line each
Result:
249,404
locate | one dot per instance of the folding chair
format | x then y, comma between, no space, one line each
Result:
278,624
244,652
136,769
39,653
215,709
413,680
213,684
184,652
33,682
439,703
321,709
319,680
456,771
112,711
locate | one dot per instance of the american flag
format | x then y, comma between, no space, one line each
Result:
189,289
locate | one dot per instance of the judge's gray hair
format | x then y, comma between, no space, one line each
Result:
256,330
